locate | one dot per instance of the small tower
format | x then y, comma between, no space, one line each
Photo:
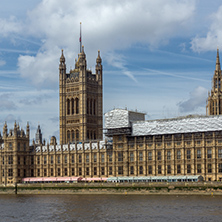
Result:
214,101
62,98
38,136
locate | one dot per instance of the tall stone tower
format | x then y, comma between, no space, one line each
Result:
81,100
214,101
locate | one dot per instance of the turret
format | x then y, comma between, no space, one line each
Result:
38,136
15,130
99,67
27,130
5,130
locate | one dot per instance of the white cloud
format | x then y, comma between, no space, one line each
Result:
197,99
213,38
107,25
11,25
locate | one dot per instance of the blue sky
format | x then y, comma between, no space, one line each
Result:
158,56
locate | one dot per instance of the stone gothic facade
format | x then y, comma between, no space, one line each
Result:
80,101
214,101
133,147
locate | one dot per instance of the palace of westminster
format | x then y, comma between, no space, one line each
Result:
190,145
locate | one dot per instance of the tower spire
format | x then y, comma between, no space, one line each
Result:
80,38
218,61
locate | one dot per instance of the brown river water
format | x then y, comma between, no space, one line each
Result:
109,208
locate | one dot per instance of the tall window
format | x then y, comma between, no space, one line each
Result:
51,159
189,154
91,106
159,155
102,171
198,168
59,172
178,154
10,159
80,158
95,158
131,157
198,153
87,158
65,159
80,171
24,160
141,170
68,135
178,168
188,168
159,169
65,171
45,160
209,153
150,156
95,171
220,168
68,106
73,171
72,103
10,172
110,157
73,160
168,155
38,160
209,168
219,153
168,169
120,156
73,135
120,170
77,135
58,159
77,106
140,156
51,172
150,169
94,107
131,170
102,158
110,170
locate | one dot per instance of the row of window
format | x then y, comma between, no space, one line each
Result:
72,106
73,135
198,142
91,106
110,170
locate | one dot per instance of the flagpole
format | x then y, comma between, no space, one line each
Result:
80,38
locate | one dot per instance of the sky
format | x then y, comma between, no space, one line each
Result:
158,56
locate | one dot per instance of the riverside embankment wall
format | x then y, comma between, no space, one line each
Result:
200,188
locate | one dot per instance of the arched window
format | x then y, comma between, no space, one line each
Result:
77,135
68,136
87,104
77,105
73,135
72,106
91,106
68,106
94,107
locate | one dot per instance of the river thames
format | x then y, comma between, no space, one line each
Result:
110,208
